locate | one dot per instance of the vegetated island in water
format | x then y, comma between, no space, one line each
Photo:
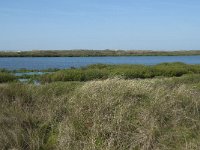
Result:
93,53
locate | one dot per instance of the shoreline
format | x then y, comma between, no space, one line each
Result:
96,53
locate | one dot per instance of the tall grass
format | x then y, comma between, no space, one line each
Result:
30,115
124,114
109,114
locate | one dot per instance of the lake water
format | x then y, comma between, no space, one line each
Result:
30,73
68,62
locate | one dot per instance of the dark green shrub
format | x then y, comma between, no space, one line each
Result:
101,71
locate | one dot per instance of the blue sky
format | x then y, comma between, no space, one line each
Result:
99,24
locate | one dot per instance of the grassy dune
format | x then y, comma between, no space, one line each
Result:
108,114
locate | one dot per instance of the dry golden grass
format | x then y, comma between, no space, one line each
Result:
131,114
113,114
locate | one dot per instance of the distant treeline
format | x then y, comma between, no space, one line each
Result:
87,53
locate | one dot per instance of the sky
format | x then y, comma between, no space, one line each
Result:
100,24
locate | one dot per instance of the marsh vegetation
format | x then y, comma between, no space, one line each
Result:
102,71
157,109
107,114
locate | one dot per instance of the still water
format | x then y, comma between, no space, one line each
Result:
68,62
